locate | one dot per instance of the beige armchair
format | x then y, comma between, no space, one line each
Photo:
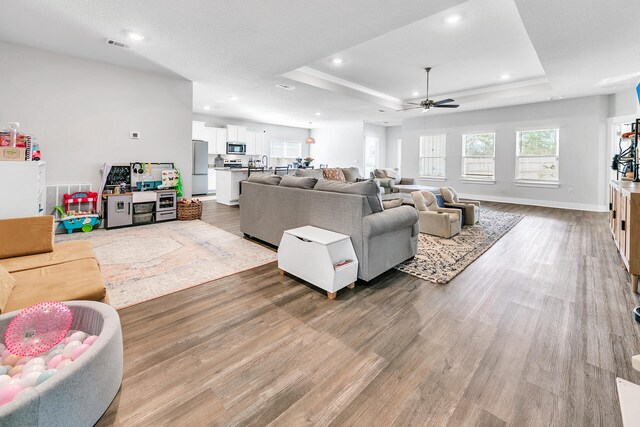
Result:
434,220
388,178
471,207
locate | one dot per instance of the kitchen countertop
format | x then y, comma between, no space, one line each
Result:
239,169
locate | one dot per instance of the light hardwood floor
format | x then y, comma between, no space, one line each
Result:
532,333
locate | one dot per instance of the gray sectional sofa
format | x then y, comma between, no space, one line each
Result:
381,238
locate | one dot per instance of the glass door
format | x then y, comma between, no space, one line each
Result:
370,154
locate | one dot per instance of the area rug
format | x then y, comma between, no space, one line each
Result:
439,260
145,262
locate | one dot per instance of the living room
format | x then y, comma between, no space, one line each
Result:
370,213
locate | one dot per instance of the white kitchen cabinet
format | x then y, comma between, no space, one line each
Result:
228,185
277,148
221,140
212,180
210,137
22,192
260,147
251,143
236,133
197,130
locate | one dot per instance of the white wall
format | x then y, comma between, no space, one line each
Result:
339,144
82,111
583,160
393,134
624,103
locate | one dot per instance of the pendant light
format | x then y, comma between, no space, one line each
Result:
310,140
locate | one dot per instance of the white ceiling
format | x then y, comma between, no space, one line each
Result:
243,48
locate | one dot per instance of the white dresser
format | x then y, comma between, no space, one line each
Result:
22,189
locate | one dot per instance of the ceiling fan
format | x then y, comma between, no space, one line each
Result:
427,103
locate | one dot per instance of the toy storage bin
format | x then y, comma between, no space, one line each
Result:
143,208
142,218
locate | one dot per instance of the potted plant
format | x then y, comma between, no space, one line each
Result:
308,160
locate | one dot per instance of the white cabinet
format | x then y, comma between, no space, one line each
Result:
197,130
236,133
210,137
221,140
260,147
22,190
251,143
228,185
212,180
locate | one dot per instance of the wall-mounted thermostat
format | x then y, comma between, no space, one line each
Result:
134,135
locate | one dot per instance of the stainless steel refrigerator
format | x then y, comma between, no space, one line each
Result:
200,177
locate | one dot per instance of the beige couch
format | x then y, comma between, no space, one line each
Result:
33,269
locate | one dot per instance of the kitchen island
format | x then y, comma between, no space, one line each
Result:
228,184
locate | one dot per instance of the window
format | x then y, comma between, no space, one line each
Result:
285,150
432,156
537,155
479,156
399,153
370,154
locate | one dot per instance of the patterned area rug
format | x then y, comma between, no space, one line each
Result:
439,260
145,262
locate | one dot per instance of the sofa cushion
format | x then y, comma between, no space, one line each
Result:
333,174
351,174
26,236
313,173
304,182
448,195
75,280
393,203
370,189
264,178
62,252
391,173
7,283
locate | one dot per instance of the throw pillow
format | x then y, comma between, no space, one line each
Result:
7,283
333,174
304,182
393,203
26,236
264,178
447,195
370,189
313,173
351,174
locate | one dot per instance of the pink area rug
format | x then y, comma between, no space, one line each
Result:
145,262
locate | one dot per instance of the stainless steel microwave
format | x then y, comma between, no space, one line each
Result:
236,148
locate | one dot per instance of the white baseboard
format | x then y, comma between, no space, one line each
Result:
533,202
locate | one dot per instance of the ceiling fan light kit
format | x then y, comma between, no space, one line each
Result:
427,103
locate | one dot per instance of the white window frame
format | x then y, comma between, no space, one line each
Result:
474,178
376,164
426,177
544,183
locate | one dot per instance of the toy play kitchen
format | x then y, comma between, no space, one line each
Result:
141,193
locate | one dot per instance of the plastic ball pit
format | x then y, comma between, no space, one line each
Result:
82,392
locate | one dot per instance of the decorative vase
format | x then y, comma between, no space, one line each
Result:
307,164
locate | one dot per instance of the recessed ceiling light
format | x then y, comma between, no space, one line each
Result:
233,98
415,93
318,114
207,107
135,36
337,61
453,19
505,76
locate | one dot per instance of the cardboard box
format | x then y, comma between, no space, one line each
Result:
16,154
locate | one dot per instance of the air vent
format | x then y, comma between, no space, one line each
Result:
285,87
116,43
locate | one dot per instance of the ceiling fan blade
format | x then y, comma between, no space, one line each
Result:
412,108
446,106
412,103
444,101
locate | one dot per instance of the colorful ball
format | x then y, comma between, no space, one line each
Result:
4,379
16,370
53,363
12,360
78,336
90,340
64,364
70,348
8,393
30,379
79,350
46,375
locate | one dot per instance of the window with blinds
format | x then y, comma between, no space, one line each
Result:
432,156
478,156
